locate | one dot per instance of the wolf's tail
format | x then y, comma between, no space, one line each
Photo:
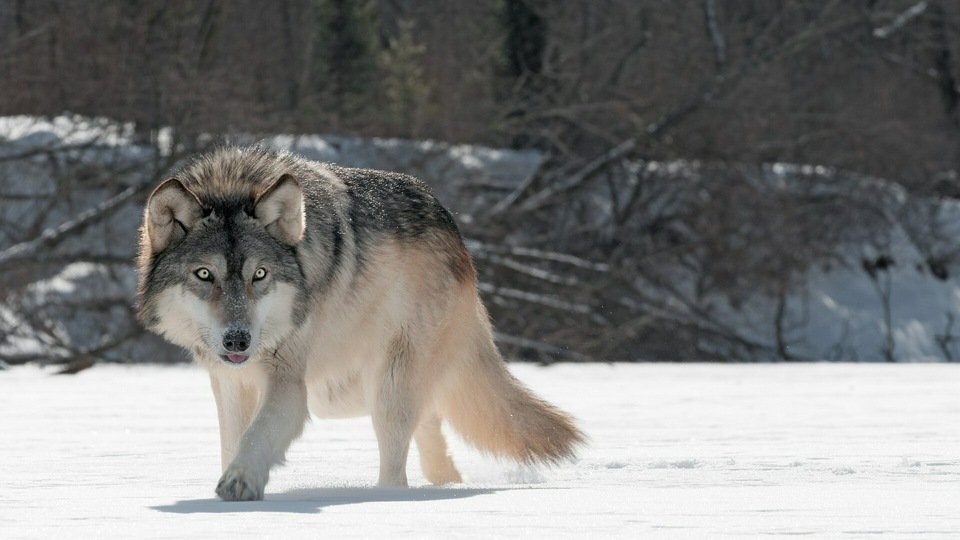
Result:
495,413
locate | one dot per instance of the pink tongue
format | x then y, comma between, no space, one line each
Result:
236,358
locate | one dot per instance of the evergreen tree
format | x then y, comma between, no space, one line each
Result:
346,49
405,88
526,40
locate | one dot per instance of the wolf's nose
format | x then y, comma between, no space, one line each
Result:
236,340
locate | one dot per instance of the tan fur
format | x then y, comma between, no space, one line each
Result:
406,341
447,367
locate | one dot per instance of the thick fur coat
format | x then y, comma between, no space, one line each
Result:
304,288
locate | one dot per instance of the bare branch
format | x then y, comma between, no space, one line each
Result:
514,195
713,29
531,271
599,163
518,251
901,20
544,300
68,355
548,348
52,237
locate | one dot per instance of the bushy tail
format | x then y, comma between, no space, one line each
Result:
494,412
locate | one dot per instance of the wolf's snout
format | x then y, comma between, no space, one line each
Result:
236,341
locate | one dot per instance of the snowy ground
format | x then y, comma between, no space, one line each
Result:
828,450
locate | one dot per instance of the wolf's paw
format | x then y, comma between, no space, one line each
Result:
237,484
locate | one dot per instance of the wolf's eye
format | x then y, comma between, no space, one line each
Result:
260,274
203,274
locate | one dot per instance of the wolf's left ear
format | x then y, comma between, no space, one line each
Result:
280,209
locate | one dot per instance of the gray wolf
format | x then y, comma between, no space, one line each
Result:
304,288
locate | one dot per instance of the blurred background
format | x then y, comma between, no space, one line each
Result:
638,180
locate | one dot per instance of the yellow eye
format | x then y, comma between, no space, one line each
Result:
260,274
203,274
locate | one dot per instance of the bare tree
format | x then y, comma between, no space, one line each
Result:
70,207
659,123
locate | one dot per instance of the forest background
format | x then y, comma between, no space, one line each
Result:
674,180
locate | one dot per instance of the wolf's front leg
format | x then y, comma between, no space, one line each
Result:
236,405
280,420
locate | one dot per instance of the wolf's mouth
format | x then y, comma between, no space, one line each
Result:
234,358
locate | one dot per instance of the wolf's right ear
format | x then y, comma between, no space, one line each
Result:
172,210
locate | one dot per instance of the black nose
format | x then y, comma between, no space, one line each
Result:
236,340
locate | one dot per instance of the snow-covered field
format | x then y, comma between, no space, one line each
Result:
828,450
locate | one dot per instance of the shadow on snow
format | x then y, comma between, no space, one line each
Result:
309,501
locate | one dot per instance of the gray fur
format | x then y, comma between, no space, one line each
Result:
306,287
344,219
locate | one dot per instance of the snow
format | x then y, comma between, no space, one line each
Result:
836,309
65,130
833,312
677,451
53,169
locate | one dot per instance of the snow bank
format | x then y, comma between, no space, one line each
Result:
468,179
887,286
51,170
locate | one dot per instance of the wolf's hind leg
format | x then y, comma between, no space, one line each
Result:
435,459
394,420
396,412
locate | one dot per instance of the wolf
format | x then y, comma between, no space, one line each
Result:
304,287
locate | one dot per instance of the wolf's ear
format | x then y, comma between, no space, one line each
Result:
280,209
172,210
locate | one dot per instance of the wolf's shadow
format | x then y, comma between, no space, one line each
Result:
313,500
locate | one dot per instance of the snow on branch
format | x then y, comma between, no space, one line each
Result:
713,28
544,300
51,237
478,247
531,271
901,20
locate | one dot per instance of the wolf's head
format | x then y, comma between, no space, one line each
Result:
220,274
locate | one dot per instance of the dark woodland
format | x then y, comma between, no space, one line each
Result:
602,90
